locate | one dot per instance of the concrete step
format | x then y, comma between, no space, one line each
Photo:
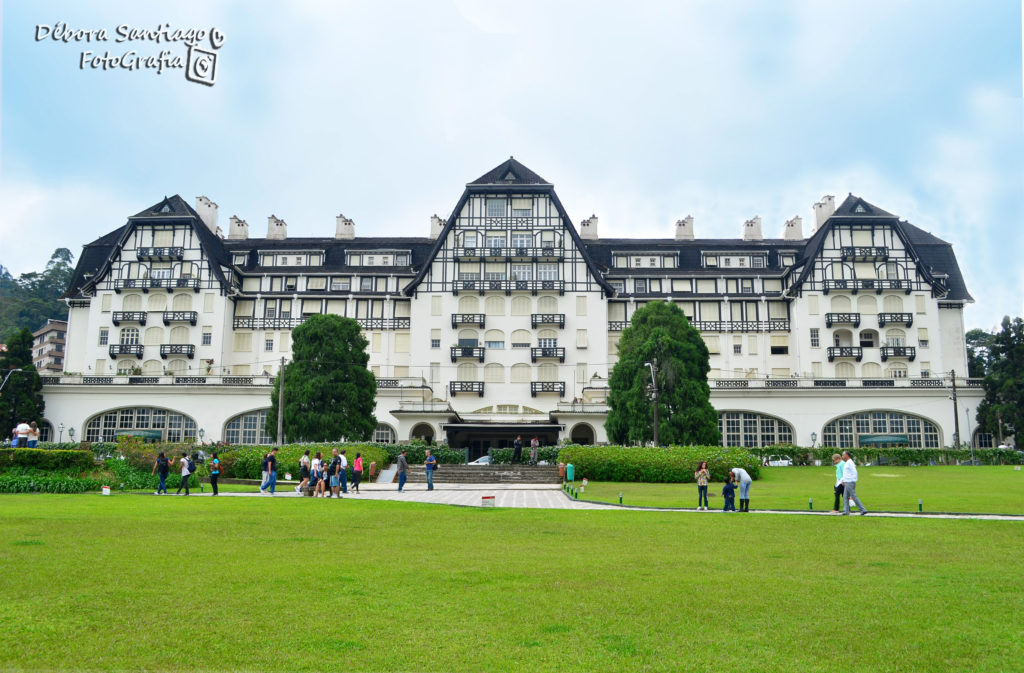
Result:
483,474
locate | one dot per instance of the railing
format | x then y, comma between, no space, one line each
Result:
547,319
856,284
175,283
583,407
617,325
547,387
531,252
131,284
904,318
162,380
478,319
547,353
119,317
456,387
143,380
878,383
939,383
126,349
775,325
188,350
845,352
407,382
811,383
829,383
180,316
383,323
514,222
508,286
842,319
865,252
458,352
267,323
909,352
160,253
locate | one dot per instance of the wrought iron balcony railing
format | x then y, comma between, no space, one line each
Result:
547,387
902,318
461,352
478,319
523,252
187,350
858,252
163,253
119,317
180,316
855,352
125,349
175,283
131,284
547,319
842,319
456,387
547,353
909,352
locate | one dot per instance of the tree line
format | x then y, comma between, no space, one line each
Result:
34,297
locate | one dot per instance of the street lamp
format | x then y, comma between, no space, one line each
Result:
653,366
814,439
71,434
201,433
970,435
60,429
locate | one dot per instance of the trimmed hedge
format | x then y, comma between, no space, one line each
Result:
674,464
46,459
10,483
803,455
245,462
416,454
504,456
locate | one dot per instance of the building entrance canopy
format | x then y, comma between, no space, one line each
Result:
478,437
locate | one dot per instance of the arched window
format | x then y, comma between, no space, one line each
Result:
179,335
744,428
866,304
182,301
896,370
152,368
494,306
467,371
871,370
161,424
468,338
132,302
842,337
547,372
848,431
868,338
520,306
494,373
157,301
840,304
154,336
129,336
384,434
845,370
893,303
547,338
520,373
469,304
248,428
494,338
895,337
547,304
177,367
520,338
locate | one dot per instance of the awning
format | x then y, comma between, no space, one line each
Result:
875,440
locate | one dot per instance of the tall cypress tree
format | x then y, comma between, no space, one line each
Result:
1004,384
22,396
685,415
329,393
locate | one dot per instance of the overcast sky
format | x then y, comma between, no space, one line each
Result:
640,112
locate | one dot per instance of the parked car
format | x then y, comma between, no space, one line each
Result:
482,460
780,461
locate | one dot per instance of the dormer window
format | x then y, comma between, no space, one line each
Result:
385,261
654,261
284,261
726,261
298,261
711,261
401,260
757,262
369,261
638,262
742,261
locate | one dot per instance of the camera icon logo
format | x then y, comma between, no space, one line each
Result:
201,66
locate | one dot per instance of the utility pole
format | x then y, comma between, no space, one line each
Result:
653,366
956,414
280,404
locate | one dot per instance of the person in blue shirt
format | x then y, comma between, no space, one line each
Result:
429,466
729,493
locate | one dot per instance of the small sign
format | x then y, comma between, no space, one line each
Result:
487,501
106,490
288,476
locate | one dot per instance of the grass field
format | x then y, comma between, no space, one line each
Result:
131,582
991,489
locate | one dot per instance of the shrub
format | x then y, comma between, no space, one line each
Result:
45,459
245,462
10,483
416,453
901,455
504,456
655,464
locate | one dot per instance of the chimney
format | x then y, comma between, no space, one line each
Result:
238,229
752,229
823,210
346,228
684,229
588,228
276,229
436,225
794,229
207,210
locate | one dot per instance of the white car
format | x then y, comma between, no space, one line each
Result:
482,460
780,461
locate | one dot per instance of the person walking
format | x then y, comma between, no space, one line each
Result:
534,448
517,449
343,472
266,474
741,476
837,460
33,435
185,473
317,476
303,472
163,466
271,482
702,475
403,469
214,472
357,471
850,485
428,467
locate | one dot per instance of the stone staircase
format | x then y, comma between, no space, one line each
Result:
487,474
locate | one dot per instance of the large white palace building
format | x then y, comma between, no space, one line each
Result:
505,320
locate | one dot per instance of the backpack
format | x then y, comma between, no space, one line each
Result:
191,467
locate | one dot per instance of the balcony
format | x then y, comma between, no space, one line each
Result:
502,252
547,353
854,285
175,283
456,387
541,387
478,319
908,352
508,286
383,323
261,380
547,319
802,385
895,318
131,284
467,352
617,325
404,382
119,317
188,350
855,352
842,319
180,316
266,323
126,349
865,253
160,254
776,325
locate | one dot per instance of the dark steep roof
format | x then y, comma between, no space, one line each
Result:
858,207
510,172
335,252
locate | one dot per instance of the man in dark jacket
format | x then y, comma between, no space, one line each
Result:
517,449
403,469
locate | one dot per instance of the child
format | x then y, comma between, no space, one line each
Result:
729,493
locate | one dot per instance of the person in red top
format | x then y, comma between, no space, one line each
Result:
357,471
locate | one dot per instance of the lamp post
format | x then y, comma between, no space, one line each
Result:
71,434
60,429
201,433
9,372
653,366
970,435
814,439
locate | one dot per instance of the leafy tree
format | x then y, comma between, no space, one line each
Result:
1004,384
35,296
22,397
979,343
329,394
685,416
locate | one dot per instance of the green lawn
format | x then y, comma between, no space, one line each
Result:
131,582
991,489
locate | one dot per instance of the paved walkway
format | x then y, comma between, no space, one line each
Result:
550,496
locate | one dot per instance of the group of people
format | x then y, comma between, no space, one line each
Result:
517,450
25,435
162,466
846,483
325,479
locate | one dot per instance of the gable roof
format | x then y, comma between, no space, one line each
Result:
510,172
854,206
